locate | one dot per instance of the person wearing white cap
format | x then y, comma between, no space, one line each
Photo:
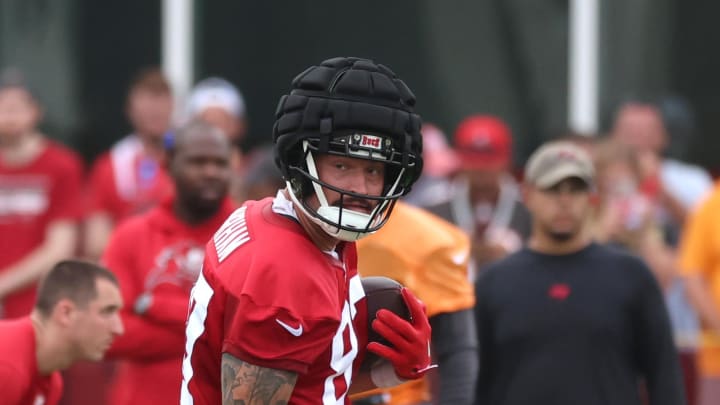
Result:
219,103
589,318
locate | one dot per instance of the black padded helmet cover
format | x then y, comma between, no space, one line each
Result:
348,96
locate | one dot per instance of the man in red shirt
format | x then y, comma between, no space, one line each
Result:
157,257
75,318
126,180
277,314
40,182
218,102
129,178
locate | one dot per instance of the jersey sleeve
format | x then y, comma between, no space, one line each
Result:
100,192
143,338
283,316
12,390
120,258
56,389
146,341
485,332
696,246
455,350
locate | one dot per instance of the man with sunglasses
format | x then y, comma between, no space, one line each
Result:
565,320
277,314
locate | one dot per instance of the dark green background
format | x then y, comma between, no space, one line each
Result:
505,57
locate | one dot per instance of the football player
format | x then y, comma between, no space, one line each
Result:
277,315
75,318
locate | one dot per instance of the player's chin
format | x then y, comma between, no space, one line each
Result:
96,355
212,194
208,202
565,226
100,352
562,235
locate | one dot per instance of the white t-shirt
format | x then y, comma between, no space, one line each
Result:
686,182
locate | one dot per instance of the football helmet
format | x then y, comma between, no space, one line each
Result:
349,107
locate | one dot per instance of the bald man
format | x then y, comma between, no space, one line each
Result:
157,257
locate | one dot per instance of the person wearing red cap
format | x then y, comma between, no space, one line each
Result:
485,198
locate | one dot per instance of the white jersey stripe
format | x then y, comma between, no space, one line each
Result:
200,297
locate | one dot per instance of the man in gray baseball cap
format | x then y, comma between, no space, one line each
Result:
557,161
590,316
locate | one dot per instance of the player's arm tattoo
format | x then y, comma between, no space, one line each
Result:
247,384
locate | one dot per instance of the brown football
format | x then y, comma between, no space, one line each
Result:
381,293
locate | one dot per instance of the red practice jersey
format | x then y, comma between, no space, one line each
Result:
126,181
268,296
20,381
33,196
159,256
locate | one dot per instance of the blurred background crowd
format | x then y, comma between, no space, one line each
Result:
89,101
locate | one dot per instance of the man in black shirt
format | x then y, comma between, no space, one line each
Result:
566,321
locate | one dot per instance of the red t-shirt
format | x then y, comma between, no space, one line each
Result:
125,181
20,383
268,296
33,196
156,254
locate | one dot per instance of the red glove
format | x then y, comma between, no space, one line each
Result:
410,350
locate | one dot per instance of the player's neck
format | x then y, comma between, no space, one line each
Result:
152,145
543,243
51,351
22,150
190,215
319,237
486,196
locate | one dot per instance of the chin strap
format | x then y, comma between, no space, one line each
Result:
332,216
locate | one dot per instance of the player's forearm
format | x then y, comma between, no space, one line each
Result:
98,228
169,310
457,378
245,383
145,340
455,344
59,244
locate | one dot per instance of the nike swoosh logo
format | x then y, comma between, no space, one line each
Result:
293,331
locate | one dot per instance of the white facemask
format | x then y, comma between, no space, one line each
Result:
350,219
